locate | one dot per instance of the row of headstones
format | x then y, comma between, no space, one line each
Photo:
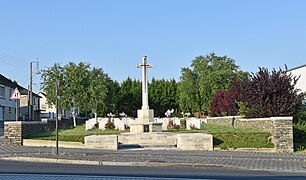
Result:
123,123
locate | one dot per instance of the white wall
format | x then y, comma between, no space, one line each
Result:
301,84
7,104
44,104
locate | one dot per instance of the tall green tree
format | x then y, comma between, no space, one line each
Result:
97,90
75,87
49,77
162,96
130,97
112,97
81,88
204,78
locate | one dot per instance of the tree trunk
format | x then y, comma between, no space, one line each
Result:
74,121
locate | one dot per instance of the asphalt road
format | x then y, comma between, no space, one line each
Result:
23,170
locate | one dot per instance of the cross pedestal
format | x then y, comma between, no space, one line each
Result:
145,116
145,122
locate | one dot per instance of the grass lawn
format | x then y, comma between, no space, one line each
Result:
227,137
224,137
73,135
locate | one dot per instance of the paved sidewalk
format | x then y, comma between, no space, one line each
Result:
161,157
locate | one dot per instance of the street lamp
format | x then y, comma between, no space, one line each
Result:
56,122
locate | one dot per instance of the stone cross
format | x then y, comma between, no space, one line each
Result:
144,66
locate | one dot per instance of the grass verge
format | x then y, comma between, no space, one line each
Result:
227,137
224,137
76,134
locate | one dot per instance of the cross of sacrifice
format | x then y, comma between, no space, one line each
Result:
144,66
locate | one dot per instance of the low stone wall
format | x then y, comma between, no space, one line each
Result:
264,124
282,134
15,131
36,127
280,128
197,141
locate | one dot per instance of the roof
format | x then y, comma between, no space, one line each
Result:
297,67
13,84
42,93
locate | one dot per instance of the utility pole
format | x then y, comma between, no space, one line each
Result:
31,112
30,94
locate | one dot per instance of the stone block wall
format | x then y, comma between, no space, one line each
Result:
281,128
282,134
29,127
15,131
265,124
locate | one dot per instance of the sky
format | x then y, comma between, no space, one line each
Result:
114,35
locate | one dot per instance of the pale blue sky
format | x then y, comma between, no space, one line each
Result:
115,34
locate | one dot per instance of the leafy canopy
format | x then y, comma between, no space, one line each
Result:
204,78
81,87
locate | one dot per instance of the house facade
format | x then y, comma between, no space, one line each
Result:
47,111
24,108
300,71
8,106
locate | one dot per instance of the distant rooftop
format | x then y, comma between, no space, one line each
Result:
297,67
13,84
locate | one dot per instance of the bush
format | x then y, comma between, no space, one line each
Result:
224,103
183,123
301,115
193,127
172,125
268,94
299,132
109,126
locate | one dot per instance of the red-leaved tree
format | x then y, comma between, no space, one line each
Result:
225,103
266,94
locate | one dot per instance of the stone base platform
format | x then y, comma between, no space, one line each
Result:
192,141
153,139
109,142
146,127
197,141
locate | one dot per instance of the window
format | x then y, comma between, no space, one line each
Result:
2,91
10,93
10,110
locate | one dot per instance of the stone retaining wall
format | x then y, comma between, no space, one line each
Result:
15,131
282,134
265,124
280,128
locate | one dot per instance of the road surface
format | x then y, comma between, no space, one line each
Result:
22,170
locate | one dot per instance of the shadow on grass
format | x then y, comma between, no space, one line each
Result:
217,142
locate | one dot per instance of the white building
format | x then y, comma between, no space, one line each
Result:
300,71
7,106
48,111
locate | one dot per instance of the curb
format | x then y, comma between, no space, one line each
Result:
135,164
112,163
